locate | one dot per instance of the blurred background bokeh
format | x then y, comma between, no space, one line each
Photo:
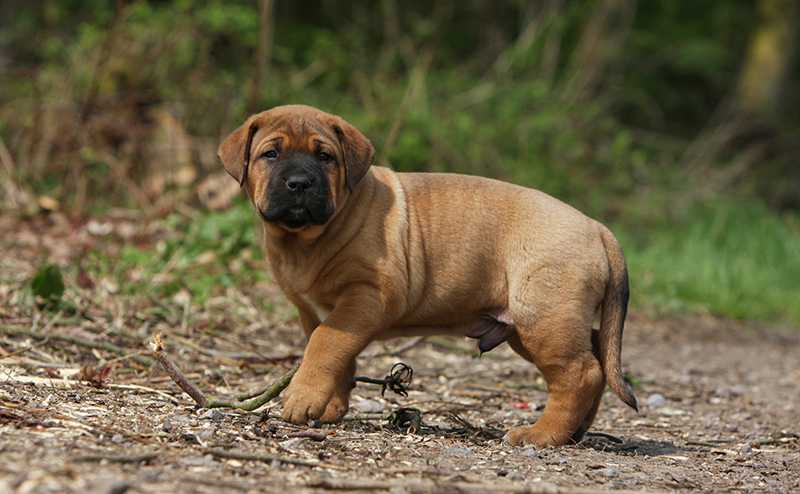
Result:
675,122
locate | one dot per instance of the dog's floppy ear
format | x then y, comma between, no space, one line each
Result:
234,152
357,150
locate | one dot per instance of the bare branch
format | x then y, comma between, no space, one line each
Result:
100,345
246,401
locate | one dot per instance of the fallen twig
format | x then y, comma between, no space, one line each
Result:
117,458
397,351
308,433
233,455
701,443
472,430
397,380
434,487
399,377
246,401
407,418
68,383
100,345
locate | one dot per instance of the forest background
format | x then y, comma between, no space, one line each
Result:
674,122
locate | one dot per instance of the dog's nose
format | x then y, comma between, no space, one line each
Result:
299,183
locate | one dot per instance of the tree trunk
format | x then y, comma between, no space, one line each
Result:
263,52
771,50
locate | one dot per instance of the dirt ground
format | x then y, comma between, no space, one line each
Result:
719,408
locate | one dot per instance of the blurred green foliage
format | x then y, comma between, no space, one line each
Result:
205,256
729,258
615,106
47,286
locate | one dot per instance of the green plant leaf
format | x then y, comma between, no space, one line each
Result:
48,284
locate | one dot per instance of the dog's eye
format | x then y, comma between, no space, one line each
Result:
271,155
325,157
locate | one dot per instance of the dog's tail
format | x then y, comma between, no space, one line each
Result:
612,320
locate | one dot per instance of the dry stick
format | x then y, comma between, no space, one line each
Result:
246,401
406,346
309,433
234,455
100,345
117,458
234,342
433,487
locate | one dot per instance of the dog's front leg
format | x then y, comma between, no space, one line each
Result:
321,387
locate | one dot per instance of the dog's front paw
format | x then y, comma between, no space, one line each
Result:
335,410
305,400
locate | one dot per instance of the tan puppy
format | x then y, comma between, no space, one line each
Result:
366,253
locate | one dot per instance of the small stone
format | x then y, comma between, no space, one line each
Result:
737,390
117,439
213,414
609,472
515,476
99,229
109,486
656,400
172,421
529,451
204,435
291,443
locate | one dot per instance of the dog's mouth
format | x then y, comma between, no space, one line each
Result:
296,217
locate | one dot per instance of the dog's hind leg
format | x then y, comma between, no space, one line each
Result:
588,420
561,349
590,416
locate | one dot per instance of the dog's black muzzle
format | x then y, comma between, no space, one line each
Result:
298,193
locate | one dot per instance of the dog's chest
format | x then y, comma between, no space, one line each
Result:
321,312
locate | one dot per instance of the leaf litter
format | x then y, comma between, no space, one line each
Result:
84,407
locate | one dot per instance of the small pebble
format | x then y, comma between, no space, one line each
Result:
291,443
172,421
515,476
656,400
611,473
737,390
213,414
109,486
529,451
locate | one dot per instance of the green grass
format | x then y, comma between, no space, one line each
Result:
203,255
728,259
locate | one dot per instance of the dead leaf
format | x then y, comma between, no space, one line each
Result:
48,203
86,374
84,280
100,379
52,373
